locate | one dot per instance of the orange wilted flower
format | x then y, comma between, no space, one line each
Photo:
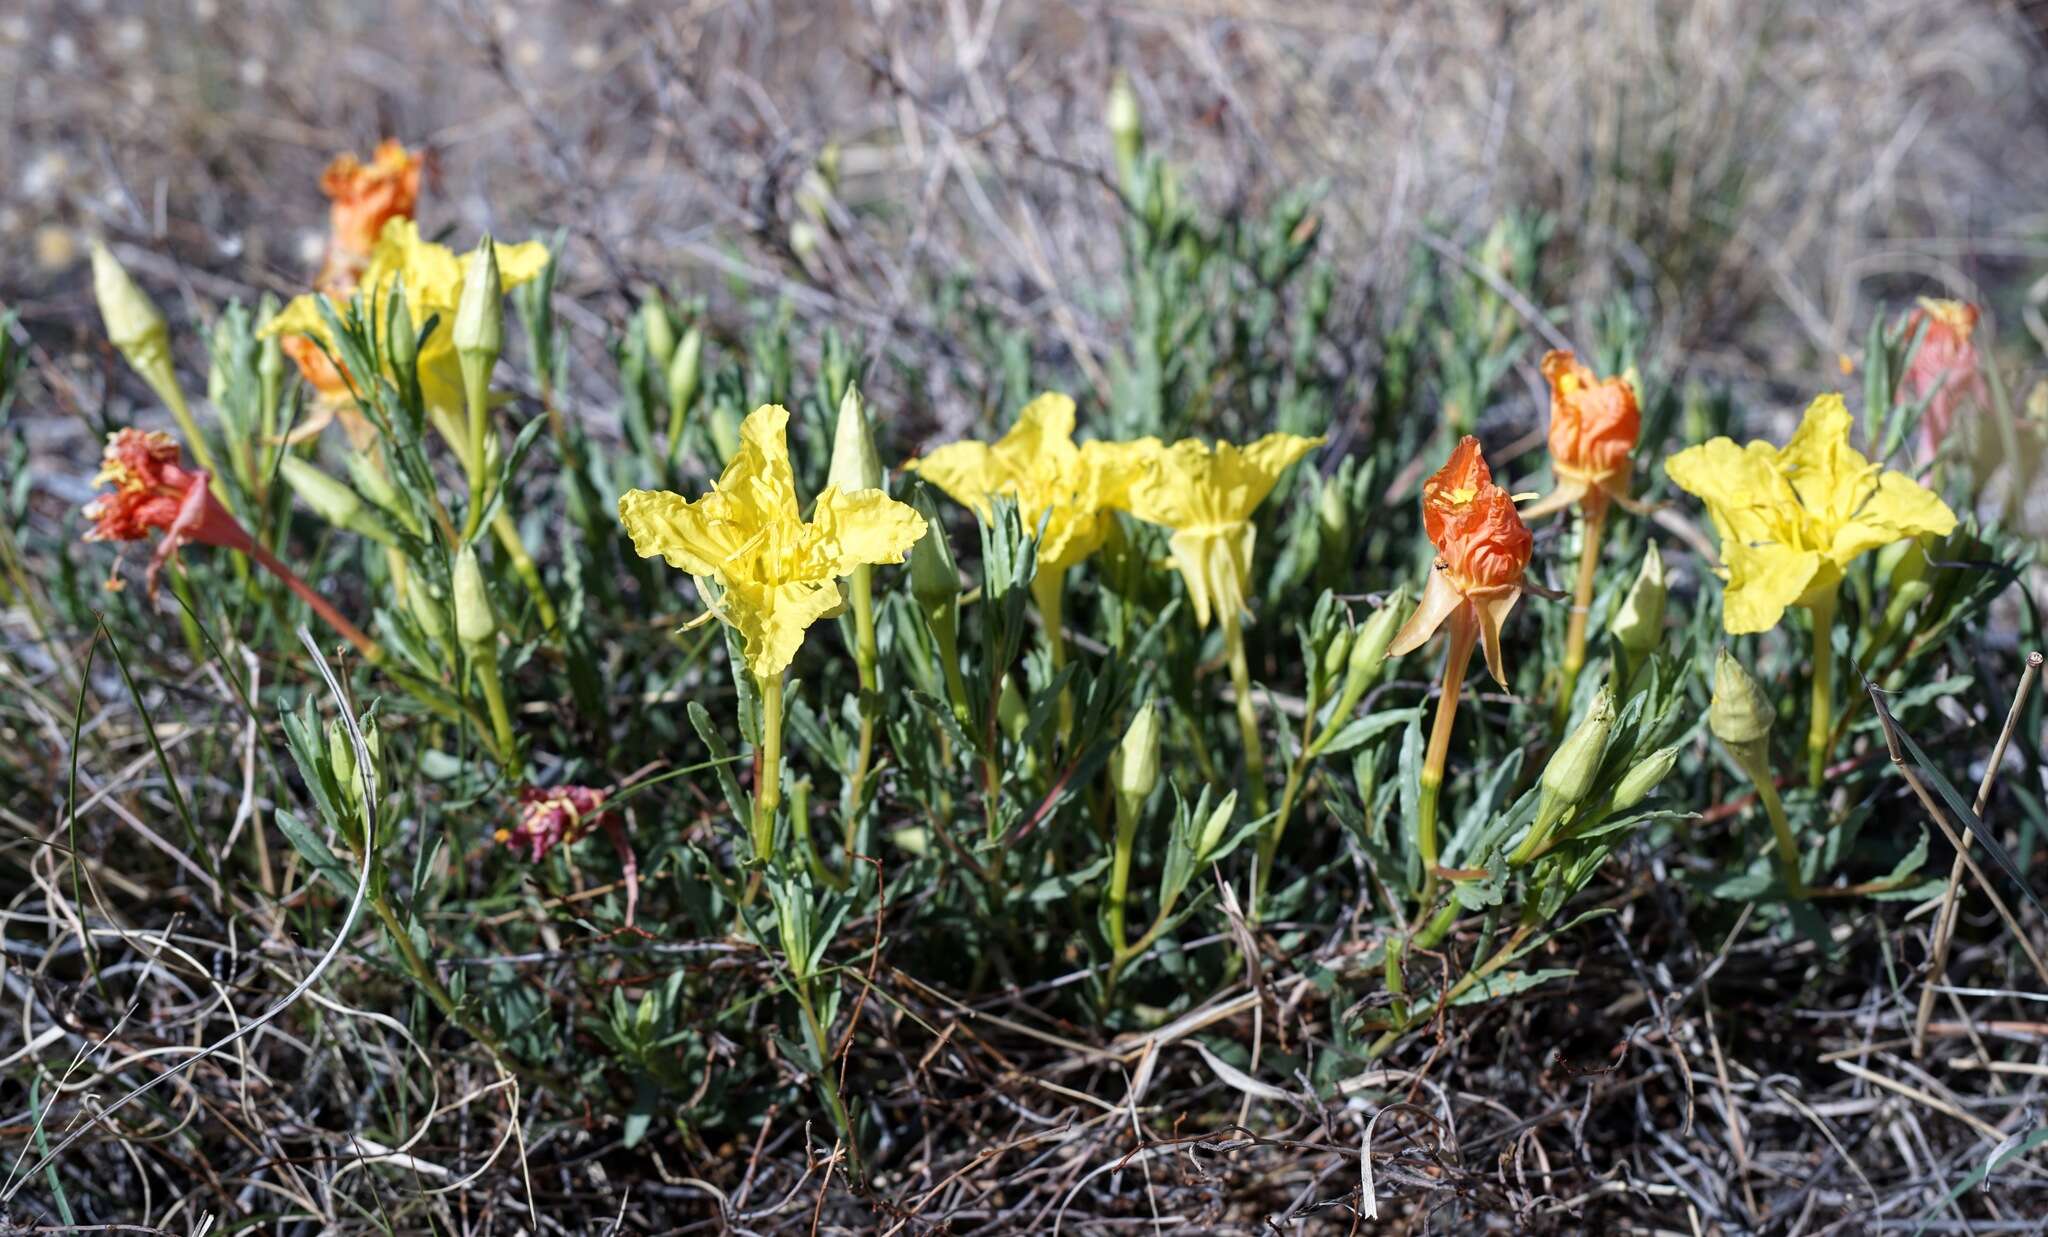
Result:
364,197
1944,366
1594,423
1482,550
153,491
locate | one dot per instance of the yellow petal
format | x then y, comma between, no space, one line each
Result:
694,537
300,316
864,527
1216,566
965,470
1763,580
1900,508
518,264
772,621
758,481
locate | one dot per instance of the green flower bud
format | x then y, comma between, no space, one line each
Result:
658,329
1011,714
480,315
341,756
685,370
934,578
1644,777
725,431
1215,827
269,354
330,499
1572,768
426,608
1134,765
1333,513
1369,647
1740,715
401,337
475,622
855,466
1639,621
1336,654
1126,125
134,325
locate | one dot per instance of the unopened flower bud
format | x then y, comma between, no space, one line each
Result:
134,325
341,757
1336,654
855,466
934,578
1216,826
725,431
1644,777
1126,126
1332,512
1011,713
1572,768
1134,765
1740,715
685,369
426,608
401,337
475,622
330,499
658,329
1369,647
480,315
269,354
1639,621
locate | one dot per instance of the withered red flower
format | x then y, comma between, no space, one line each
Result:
561,815
1943,366
154,492
1483,548
1594,424
553,816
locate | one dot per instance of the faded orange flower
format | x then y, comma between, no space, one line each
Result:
1482,550
364,197
1944,366
1594,423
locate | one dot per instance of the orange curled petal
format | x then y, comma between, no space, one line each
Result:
1453,487
1487,544
1594,422
365,196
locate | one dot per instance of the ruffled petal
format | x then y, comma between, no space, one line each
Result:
864,527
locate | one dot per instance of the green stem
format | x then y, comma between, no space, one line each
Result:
826,1083
1297,775
507,531
867,660
1756,762
1247,715
476,396
1048,590
429,982
768,770
486,659
1592,528
1464,635
1120,869
1819,728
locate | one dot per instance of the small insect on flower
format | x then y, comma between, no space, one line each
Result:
1482,547
758,563
1594,423
1792,518
362,198
1944,369
154,492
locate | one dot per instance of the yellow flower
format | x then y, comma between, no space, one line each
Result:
1792,518
772,573
1206,495
433,276
1071,486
